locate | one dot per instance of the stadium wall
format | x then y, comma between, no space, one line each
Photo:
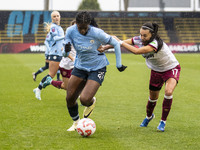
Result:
18,29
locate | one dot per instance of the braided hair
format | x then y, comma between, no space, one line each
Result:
94,23
153,28
86,18
83,17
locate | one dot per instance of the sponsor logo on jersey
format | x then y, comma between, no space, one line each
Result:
148,55
84,48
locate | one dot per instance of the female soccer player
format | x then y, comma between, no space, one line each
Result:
47,43
66,66
55,55
164,69
90,65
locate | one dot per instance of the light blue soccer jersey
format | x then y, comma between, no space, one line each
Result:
57,40
48,43
88,58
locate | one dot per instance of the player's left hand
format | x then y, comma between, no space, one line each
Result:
68,47
122,68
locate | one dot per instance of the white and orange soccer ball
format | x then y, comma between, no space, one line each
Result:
86,127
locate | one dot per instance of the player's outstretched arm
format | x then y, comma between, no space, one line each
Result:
117,48
141,50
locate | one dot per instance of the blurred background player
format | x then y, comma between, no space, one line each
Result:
90,65
55,55
47,43
164,69
66,66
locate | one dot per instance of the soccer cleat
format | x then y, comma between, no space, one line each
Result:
47,82
89,110
37,93
161,126
34,76
146,121
74,126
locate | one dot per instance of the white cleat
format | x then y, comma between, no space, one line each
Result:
37,92
74,126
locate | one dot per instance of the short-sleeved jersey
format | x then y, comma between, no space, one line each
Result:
66,62
57,39
88,58
159,61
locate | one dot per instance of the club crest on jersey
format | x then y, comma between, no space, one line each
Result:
91,41
64,73
53,29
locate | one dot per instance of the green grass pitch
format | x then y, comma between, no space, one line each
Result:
26,123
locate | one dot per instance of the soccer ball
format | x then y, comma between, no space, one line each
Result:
86,127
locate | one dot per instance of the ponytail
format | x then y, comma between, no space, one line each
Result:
93,22
47,26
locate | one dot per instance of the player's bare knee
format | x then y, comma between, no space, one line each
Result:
85,101
168,92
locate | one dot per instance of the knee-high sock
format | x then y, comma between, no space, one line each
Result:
150,107
58,75
166,107
42,69
73,111
42,81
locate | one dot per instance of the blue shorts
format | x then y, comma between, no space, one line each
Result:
46,56
97,75
55,58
